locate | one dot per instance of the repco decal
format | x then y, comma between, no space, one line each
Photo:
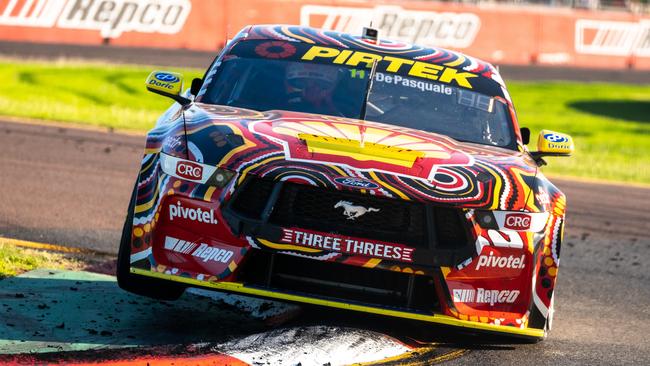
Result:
444,29
356,183
201,251
485,296
110,17
517,221
189,170
391,64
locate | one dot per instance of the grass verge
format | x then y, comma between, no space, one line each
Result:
610,122
15,259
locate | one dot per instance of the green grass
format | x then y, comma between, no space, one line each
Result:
610,122
15,260
96,94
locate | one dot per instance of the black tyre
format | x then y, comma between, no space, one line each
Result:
140,285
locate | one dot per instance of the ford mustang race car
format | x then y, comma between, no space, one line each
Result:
350,172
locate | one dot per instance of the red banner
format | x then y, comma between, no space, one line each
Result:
501,34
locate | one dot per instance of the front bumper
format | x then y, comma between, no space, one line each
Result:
240,288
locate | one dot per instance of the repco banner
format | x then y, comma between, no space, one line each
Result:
110,17
502,35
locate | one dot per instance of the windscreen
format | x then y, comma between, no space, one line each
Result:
271,83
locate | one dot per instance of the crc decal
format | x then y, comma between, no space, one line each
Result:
343,244
356,182
196,214
189,170
496,261
202,251
428,28
485,296
110,17
517,221
391,64
351,211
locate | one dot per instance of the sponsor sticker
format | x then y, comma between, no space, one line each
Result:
496,261
517,221
196,214
391,64
168,78
356,182
202,251
343,244
189,170
555,137
485,296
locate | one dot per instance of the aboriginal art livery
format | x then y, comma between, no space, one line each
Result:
343,208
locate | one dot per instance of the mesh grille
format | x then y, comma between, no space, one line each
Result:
302,206
313,208
253,197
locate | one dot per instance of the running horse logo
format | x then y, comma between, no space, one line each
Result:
352,211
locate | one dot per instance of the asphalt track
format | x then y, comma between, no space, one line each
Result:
70,186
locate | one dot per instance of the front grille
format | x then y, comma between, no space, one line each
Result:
252,197
313,208
337,281
415,224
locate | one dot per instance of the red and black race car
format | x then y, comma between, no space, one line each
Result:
345,171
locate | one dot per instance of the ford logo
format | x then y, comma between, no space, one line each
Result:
169,78
356,183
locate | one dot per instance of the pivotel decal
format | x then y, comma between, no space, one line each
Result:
495,261
189,170
342,244
197,214
484,296
110,17
356,183
202,251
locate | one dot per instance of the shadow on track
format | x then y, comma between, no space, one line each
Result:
627,110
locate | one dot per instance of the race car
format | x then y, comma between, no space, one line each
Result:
352,172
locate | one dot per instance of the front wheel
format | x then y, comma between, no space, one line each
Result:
140,285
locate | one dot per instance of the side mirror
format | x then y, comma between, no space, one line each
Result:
196,86
525,135
550,143
168,84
